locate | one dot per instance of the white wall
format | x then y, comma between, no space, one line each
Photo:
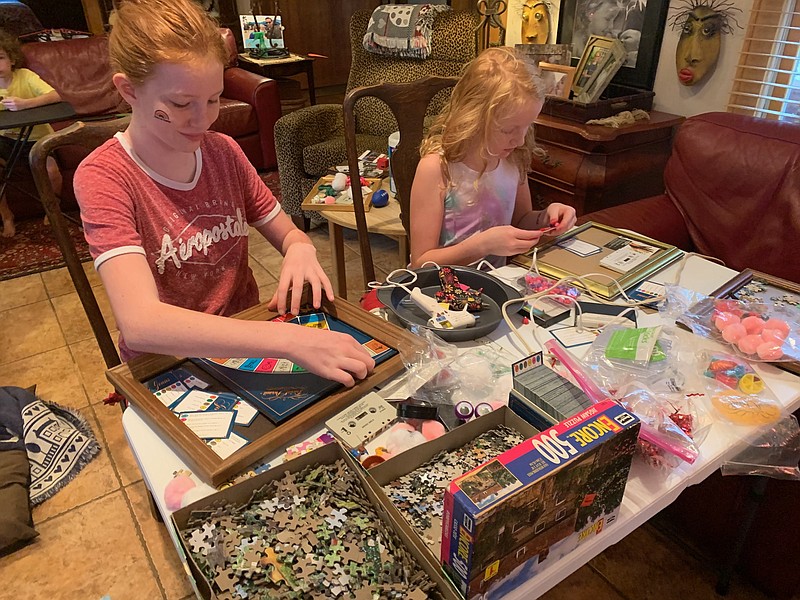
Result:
711,94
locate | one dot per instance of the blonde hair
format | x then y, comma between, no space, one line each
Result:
495,84
149,32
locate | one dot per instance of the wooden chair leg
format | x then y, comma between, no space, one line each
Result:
302,222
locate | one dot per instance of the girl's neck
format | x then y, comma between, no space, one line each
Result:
161,159
6,81
474,161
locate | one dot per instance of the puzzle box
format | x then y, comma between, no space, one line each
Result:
537,501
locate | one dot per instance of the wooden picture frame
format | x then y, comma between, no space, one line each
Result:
640,28
555,54
757,286
265,437
556,262
602,54
557,79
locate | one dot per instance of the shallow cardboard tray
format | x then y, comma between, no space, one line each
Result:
495,293
241,493
308,204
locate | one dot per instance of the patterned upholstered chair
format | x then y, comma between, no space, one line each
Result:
311,140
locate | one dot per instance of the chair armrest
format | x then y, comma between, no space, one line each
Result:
656,217
262,94
305,127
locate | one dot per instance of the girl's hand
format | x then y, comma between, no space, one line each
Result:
300,265
507,240
14,103
560,216
332,355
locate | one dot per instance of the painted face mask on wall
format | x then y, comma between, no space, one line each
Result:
535,22
701,26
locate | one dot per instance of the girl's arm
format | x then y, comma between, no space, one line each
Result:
149,325
557,215
427,214
300,264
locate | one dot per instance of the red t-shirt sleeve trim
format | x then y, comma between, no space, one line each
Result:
272,214
117,252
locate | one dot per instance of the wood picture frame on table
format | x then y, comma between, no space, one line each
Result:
554,260
264,436
557,79
755,286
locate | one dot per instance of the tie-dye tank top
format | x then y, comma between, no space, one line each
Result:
473,204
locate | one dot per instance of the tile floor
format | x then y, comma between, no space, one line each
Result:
97,536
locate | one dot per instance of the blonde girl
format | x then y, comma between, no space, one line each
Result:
470,198
167,208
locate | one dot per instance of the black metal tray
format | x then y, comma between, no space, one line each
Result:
495,293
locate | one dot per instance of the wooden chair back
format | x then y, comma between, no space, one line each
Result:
88,136
409,103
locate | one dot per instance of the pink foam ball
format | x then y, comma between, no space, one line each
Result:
769,351
432,429
753,324
749,343
734,332
329,200
724,319
773,335
778,324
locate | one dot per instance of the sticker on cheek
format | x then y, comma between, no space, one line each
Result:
162,116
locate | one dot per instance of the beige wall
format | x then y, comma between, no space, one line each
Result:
711,94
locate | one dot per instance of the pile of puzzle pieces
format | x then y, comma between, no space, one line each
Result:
310,534
419,495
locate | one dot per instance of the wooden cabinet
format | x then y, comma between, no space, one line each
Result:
592,167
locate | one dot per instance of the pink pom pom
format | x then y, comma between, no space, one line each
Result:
432,429
724,319
753,324
769,351
173,493
749,343
778,324
733,332
775,336
329,200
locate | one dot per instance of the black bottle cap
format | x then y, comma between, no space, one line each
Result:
417,410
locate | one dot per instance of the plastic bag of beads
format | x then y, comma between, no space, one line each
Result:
738,394
773,452
752,330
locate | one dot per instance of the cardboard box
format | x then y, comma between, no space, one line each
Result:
395,468
538,501
242,492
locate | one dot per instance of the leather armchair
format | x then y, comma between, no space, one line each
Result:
80,71
733,192
311,140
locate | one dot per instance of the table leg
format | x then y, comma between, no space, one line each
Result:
16,151
336,235
402,243
312,92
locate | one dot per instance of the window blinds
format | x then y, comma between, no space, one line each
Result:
767,81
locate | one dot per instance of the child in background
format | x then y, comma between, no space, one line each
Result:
167,206
20,89
470,198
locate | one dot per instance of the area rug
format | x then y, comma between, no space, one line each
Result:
34,249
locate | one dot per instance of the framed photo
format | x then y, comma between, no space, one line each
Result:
246,444
618,257
638,24
557,79
754,286
555,54
601,59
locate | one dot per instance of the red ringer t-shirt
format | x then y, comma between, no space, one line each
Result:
193,235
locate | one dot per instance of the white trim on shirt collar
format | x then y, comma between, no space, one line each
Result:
170,183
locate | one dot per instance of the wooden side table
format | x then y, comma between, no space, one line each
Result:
385,221
592,167
281,68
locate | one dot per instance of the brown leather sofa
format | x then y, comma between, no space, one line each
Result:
79,70
733,192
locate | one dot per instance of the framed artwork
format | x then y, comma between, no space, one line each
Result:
601,59
637,24
754,286
607,258
557,79
216,460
